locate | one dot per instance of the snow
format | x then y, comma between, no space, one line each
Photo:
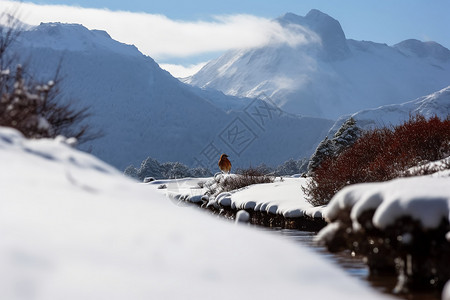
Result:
284,197
73,227
333,77
143,111
43,124
242,216
327,233
73,37
434,104
446,292
423,198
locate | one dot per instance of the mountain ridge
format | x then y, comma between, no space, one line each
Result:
434,104
331,78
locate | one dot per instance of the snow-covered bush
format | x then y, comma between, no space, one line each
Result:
380,155
346,136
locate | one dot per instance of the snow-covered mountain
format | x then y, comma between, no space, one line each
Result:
435,104
326,74
143,111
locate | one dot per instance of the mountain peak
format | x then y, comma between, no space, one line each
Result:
329,29
313,16
317,14
333,39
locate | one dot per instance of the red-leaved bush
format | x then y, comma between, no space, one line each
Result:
381,155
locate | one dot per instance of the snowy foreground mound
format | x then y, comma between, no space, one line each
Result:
74,228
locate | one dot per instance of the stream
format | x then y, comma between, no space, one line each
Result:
354,266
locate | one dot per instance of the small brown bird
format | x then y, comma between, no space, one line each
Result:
224,164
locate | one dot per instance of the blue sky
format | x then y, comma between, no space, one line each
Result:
385,21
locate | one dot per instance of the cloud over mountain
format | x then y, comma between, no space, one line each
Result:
160,37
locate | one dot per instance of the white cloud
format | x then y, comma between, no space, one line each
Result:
163,38
181,71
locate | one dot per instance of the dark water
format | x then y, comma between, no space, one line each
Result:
354,266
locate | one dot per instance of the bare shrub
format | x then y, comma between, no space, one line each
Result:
381,155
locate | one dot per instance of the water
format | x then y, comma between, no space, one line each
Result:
354,266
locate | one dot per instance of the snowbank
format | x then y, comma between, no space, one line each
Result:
283,197
425,199
72,227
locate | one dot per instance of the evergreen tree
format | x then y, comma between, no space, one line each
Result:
264,169
173,170
131,171
346,136
200,172
150,167
291,167
324,150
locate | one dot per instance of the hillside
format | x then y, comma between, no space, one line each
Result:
325,74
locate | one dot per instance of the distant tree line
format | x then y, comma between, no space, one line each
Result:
150,167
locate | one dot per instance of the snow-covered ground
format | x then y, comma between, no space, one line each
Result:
284,196
73,227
